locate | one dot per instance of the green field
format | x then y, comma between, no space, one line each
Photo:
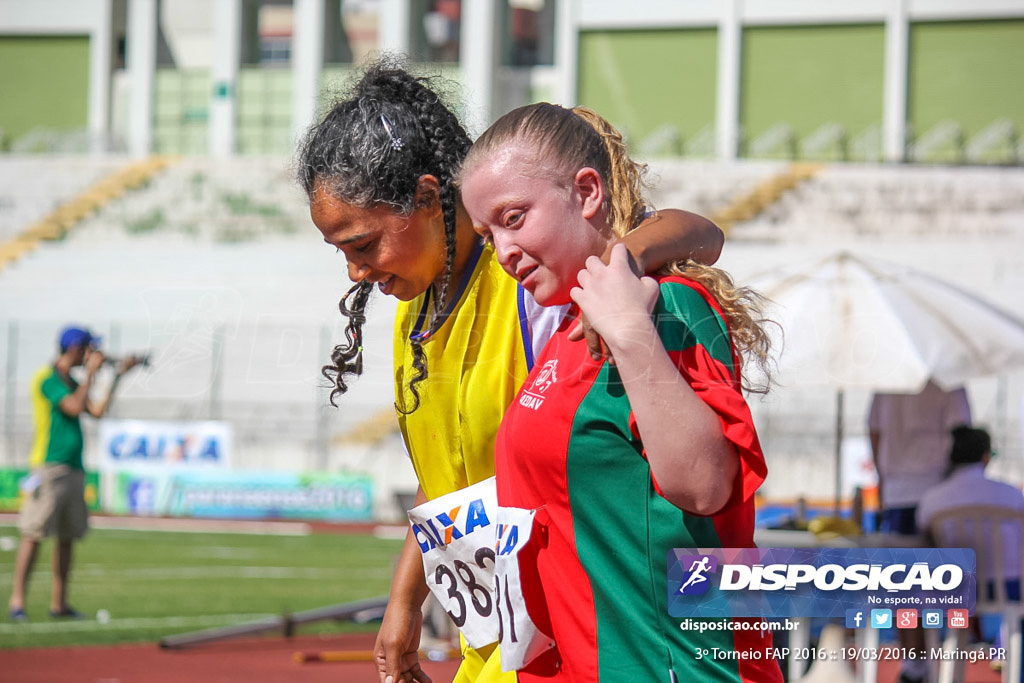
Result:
156,583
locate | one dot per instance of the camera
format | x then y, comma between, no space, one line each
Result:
140,359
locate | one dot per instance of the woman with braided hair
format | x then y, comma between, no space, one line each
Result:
609,466
380,170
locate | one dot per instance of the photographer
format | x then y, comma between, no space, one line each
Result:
55,502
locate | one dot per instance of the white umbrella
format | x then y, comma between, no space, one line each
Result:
869,324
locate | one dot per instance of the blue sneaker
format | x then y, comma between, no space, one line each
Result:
19,614
66,613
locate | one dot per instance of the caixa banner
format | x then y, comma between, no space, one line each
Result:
158,443
821,582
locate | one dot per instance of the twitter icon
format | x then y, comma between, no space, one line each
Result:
881,618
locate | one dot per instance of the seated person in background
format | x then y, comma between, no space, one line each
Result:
966,485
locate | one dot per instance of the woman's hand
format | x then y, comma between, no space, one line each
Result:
583,329
396,651
615,302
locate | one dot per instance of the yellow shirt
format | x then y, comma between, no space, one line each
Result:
476,363
42,415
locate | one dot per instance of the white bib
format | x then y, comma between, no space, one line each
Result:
456,535
519,638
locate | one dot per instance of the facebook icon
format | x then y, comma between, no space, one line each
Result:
854,618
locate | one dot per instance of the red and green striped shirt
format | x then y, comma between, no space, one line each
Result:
569,447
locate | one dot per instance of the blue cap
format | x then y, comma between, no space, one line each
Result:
77,336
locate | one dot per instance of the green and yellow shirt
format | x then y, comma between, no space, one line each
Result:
58,437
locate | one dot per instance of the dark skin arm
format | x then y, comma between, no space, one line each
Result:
667,236
396,651
673,235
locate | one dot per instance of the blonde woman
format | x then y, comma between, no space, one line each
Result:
619,462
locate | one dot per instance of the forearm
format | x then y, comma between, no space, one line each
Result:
692,461
100,409
408,586
674,235
76,403
694,464
396,648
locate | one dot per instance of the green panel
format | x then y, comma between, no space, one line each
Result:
181,111
647,81
11,495
264,111
44,83
808,77
967,72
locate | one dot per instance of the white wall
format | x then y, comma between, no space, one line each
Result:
50,16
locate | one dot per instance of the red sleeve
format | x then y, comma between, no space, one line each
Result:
713,383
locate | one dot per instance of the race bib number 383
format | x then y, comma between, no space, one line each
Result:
456,534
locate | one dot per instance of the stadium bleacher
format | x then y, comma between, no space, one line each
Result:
216,267
32,186
890,203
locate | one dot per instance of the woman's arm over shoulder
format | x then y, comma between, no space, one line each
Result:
671,235
662,238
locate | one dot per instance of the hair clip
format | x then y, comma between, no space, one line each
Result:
396,142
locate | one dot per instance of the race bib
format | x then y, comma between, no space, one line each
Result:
456,534
520,639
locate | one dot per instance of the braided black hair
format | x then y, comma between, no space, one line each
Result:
348,358
371,149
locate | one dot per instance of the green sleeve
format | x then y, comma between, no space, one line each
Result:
54,389
685,319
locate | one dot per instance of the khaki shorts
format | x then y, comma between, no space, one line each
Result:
57,506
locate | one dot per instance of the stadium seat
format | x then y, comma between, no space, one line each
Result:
996,535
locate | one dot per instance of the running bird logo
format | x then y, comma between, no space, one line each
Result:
696,581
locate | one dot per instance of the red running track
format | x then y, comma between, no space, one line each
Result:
252,660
